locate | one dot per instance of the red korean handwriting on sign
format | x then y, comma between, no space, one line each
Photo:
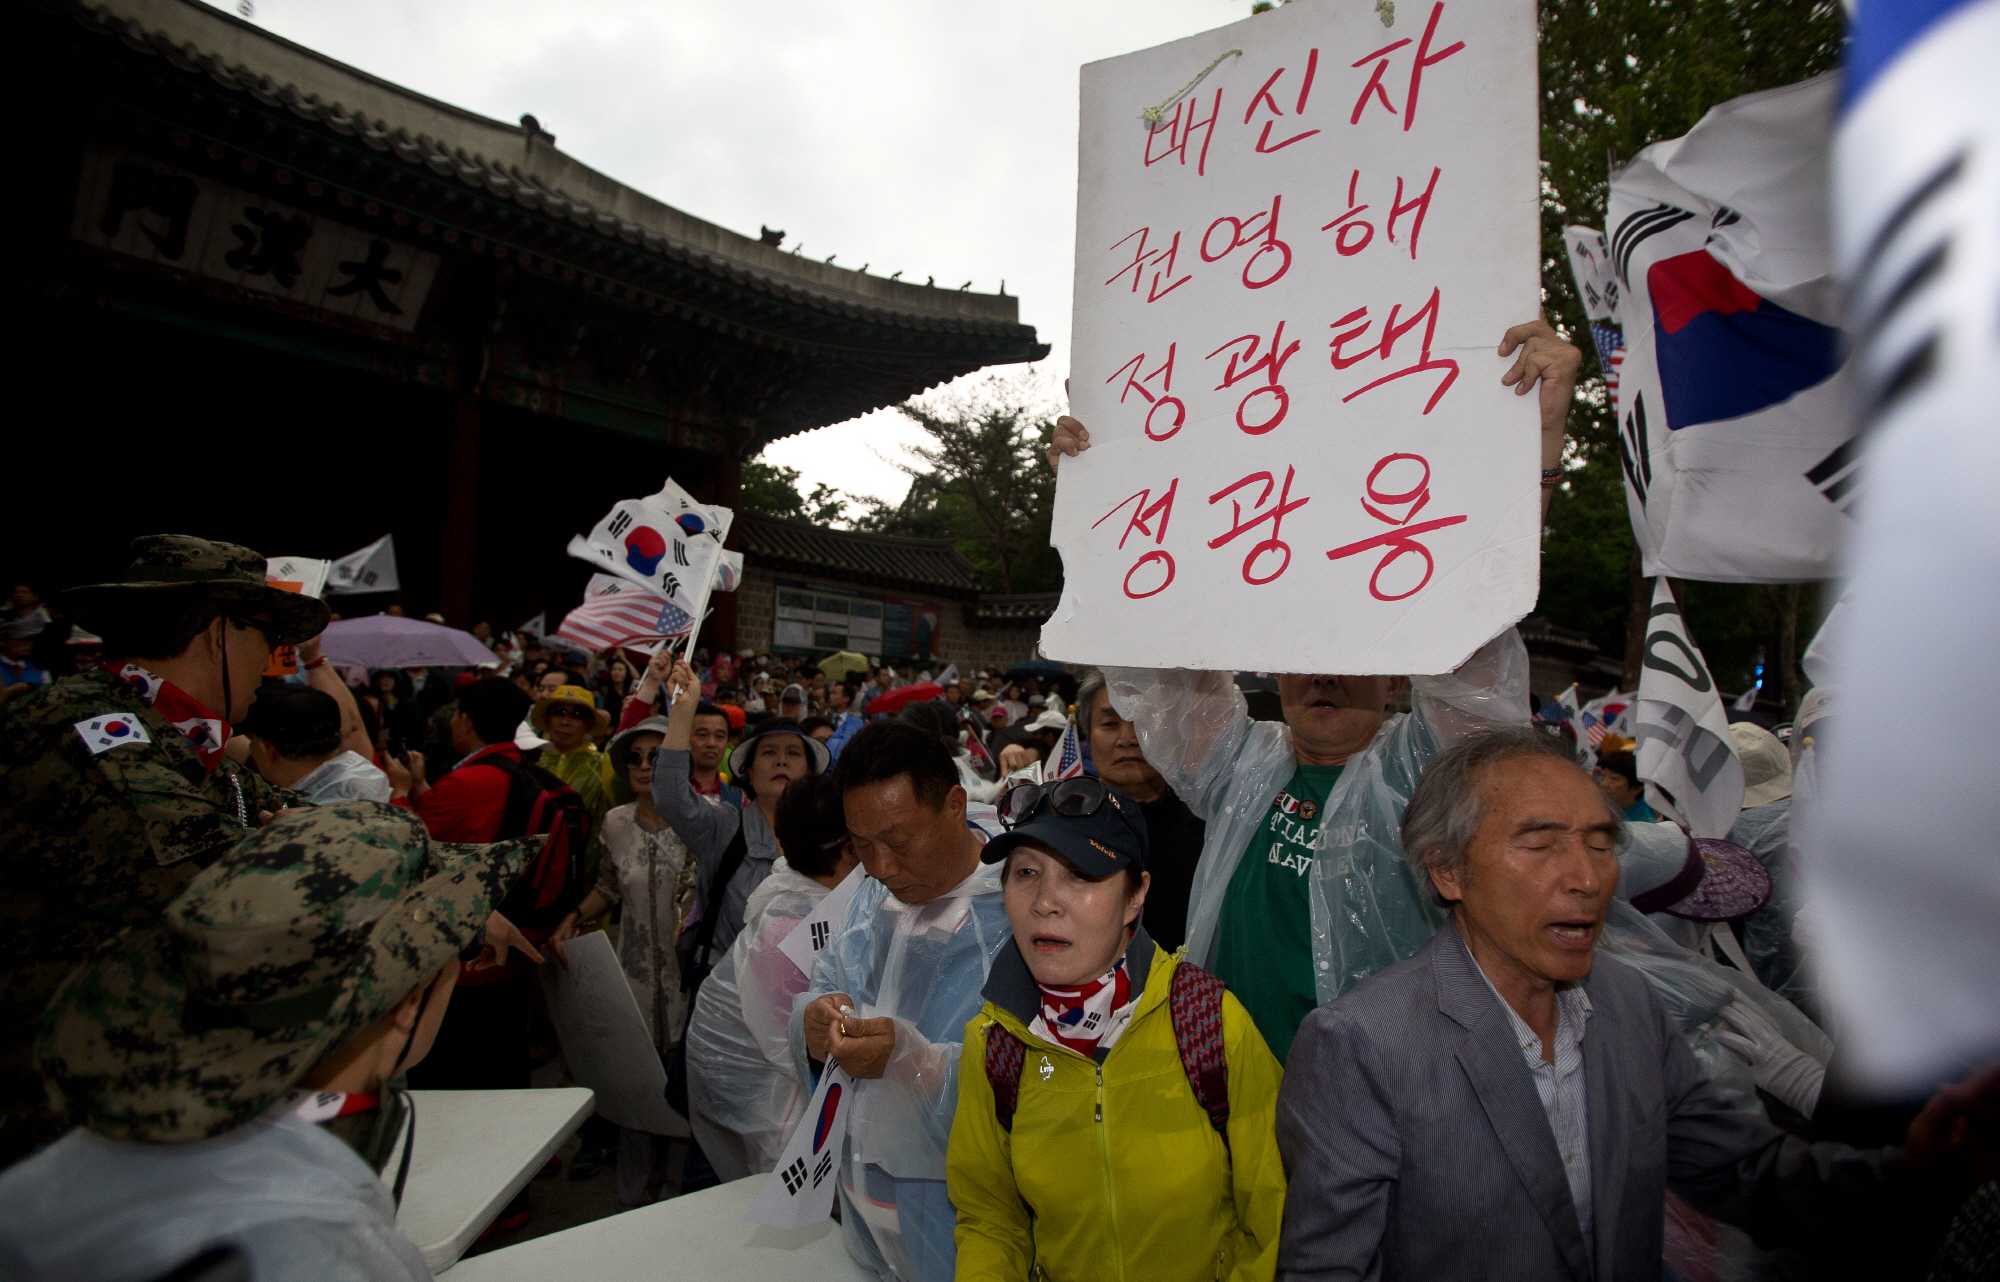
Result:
1259,228
1266,102
1275,514
1170,140
1245,362
1392,331
1381,58
1136,380
1403,540
1352,232
1161,260
1161,562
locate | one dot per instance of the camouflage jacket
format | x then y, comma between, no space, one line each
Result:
93,841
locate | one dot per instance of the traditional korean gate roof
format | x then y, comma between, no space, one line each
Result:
800,343
881,560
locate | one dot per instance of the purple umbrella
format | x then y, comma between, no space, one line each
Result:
391,641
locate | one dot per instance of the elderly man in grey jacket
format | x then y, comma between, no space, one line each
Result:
1507,1104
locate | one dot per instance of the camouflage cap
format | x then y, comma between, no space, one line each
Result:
201,569
294,942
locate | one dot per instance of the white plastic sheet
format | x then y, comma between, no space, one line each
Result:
1290,291
604,1037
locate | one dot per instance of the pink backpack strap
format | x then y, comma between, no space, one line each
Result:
1195,1002
1004,1053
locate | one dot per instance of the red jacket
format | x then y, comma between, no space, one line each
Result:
468,803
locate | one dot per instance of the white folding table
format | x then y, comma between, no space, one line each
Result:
700,1236
474,1150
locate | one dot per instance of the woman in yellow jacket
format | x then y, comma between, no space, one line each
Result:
1115,1106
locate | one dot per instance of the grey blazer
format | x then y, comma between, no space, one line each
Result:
1416,1146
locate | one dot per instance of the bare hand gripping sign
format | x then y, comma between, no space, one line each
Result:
1291,285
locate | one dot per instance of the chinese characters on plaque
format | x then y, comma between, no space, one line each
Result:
1290,289
164,215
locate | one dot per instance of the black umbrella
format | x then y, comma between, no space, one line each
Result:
1044,668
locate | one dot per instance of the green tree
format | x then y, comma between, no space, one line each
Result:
774,490
1616,76
982,480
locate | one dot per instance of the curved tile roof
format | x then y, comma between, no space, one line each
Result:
520,164
882,558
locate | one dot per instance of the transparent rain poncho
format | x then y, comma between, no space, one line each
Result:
743,1094
1768,937
1369,912
924,967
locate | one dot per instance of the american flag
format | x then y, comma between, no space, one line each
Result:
1068,760
611,613
1610,344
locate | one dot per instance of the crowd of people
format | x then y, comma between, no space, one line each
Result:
1384,983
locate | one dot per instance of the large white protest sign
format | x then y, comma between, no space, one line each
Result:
604,1037
1290,293
372,569
814,932
1734,427
1684,747
799,1193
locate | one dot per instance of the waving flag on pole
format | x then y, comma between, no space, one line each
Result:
1608,715
1737,444
671,547
613,613
1067,762
1685,750
372,569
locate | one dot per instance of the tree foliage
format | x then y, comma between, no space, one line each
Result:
774,490
1616,76
982,480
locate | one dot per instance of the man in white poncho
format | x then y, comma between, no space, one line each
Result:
892,993
1324,898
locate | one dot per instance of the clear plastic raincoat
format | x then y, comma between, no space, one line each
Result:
292,1197
1369,912
924,967
1766,832
743,1093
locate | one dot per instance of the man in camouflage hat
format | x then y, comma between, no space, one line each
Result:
218,1058
114,787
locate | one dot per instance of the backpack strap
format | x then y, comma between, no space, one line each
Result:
1195,1003
1004,1055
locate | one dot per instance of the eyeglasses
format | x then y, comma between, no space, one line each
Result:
643,756
1071,798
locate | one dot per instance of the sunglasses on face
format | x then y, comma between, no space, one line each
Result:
644,756
568,710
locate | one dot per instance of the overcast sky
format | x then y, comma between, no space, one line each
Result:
938,138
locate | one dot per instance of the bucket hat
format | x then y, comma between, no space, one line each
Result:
287,947
168,566
539,714
745,751
622,741
1767,764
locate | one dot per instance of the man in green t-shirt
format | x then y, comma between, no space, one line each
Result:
1264,943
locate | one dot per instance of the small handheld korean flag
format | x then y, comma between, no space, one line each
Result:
372,569
638,543
810,937
1685,749
799,1193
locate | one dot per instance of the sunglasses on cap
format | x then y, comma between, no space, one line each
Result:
1072,798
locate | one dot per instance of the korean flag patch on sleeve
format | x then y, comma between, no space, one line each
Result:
101,734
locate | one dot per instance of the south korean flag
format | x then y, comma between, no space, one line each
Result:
807,940
102,734
799,1193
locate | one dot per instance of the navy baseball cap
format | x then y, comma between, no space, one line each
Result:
1086,821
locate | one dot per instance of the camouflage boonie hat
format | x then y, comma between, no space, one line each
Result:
298,939
198,569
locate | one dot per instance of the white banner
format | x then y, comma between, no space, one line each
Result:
372,569
1734,428
1290,288
1685,748
814,932
799,1193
